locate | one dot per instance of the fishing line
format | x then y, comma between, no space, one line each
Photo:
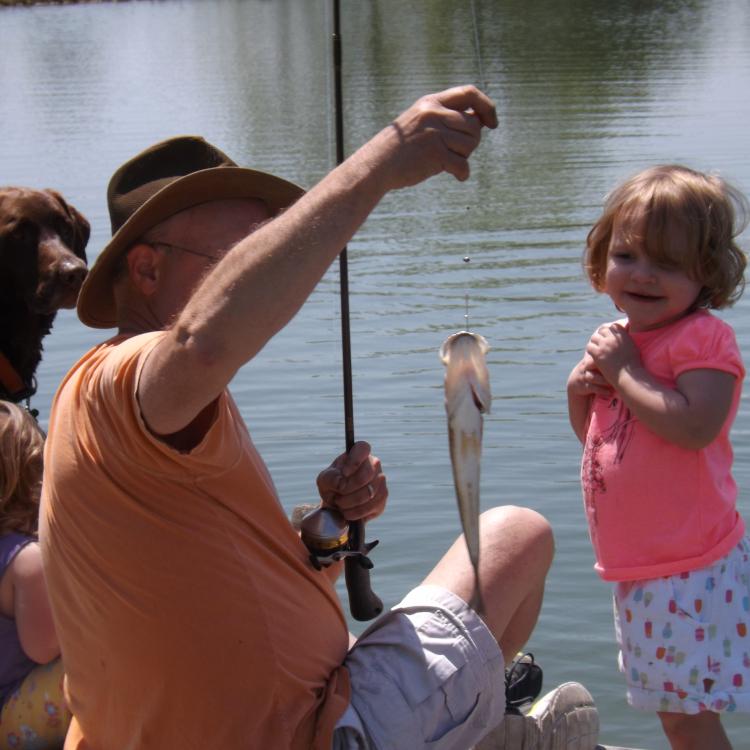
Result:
478,47
467,259
482,82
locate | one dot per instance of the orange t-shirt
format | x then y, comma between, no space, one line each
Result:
188,613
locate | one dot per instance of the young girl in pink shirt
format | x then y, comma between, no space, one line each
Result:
653,400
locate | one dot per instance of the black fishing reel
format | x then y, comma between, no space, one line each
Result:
325,533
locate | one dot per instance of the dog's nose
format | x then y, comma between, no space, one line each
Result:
72,273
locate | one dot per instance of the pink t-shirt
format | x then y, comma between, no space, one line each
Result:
656,509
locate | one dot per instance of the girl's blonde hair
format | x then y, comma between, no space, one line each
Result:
21,463
691,221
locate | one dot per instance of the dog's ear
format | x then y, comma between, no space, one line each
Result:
6,216
82,231
81,226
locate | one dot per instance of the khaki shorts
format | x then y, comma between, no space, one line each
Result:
428,674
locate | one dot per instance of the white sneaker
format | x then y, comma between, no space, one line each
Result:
567,718
563,719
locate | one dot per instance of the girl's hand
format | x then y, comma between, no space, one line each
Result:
585,379
354,484
612,350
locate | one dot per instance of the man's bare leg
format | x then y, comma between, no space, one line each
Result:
516,553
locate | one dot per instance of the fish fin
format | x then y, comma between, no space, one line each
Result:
481,395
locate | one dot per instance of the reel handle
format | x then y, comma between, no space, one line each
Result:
364,603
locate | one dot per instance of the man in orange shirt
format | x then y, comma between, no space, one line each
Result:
188,612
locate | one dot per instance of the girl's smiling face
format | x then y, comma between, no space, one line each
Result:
651,293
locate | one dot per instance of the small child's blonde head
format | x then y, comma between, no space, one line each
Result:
690,221
21,463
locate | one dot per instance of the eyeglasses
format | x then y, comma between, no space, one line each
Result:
184,249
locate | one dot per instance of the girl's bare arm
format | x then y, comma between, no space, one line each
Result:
584,382
689,415
32,613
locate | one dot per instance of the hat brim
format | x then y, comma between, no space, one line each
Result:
96,302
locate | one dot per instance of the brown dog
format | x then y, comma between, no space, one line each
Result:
42,266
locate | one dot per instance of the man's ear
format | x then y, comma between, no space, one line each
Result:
144,266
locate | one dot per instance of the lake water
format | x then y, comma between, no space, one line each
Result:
588,93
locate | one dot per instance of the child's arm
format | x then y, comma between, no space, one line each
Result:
690,415
32,613
584,382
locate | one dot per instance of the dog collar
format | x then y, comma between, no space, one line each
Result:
12,385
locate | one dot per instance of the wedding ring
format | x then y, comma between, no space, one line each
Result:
371,491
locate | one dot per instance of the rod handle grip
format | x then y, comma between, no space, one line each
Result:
364,603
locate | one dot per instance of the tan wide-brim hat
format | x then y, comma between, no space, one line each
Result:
163,180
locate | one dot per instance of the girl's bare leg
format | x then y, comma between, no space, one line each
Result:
695,731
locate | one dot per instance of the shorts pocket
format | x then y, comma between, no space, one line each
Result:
441,659
459,734
704,595
450,705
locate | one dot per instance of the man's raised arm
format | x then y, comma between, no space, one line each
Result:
262,282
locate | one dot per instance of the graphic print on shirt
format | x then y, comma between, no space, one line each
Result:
619,433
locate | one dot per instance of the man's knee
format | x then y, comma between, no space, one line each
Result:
528,531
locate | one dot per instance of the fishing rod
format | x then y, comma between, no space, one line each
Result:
324,531
363,602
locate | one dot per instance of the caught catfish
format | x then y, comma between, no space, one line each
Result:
467,397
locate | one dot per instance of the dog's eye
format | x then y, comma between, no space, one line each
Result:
65,233
23,231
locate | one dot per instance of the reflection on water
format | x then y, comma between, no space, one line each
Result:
588,92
